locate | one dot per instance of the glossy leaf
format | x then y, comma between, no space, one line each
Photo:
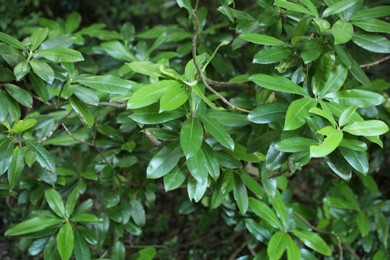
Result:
81,247
65,241
217,131
118,51
38,37
357,159
72,22
338,7
240,194
262,39
264,212
44,158
82,111
32,225
268,113
196,190
313,241
295,144
39,87
297,112
271,55
16,167
55,202
107,84
292,7
164,161
277,83
312,50
197,167
309,4
212,163
251,183
61,55
366,128
373,25
11,41
174,179
191,137
22,125
372,42
277,245
330,143
21,70
323,71
369,13
339,165
43,70
360,98
292,249
6,154
19,94
173,98
342,32
347,114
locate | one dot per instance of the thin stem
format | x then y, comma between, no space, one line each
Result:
368,65
117,105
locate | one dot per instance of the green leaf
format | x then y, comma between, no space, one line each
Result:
217,131
72,22
196,190
363,224
55,202
313,241
280,208
61,55
20,95
38,37
292,249
240,153
11,41
81,247
268,113
251,183
369,13
262,39
191,137
295,144
357,159
6,154
137,212
342,32
312,50
323,113
16,167
335,81
4,105
85,218
151,115
347,115
82,111
240,194
21,70
264,212
107,83
358,97
366,128
118,251
372,42
229,118
212,163
373,25
164,161
151,93
338,7
147,253
174,179
146,68
359,73
297,112
71,201
330,143
173,98
39,87
43,157
292,7
339,165
310,6
86,95
32,225
118,51
23,125
65,241
197,167
277,83
43,70
323,71
271,55
277,245
354,144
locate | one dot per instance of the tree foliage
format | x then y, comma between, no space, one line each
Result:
263,117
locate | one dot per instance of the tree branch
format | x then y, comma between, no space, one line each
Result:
199,69
222,84
368,65
109,104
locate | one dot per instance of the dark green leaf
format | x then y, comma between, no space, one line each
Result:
363,224
43,157
373,25
369,13
118,251
217,131
164,161
6,153
268,113
212,163
197,165
16,167
174,179
312,50
372,42
277,83
338,7
32,225
82,111
20,95
323,71
271,55
39,87
107,84
81,248
358,160
21,70
240,195
251,183
313,241
229,118
264,212
151,115
43,70
11,41
196,190
191,137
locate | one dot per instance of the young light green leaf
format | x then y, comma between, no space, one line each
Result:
338,7
43,70
369,13
323,113
271,55
330,143
43,157
16,167
240,194
61,55
268,113
23,125
72,22
292,249
335,81
173,98
292,7
347,115
197,167
311,7
20,95
164,161
21,70
295,144
313,241
217,131
277,245
82,111
11,41
297,112
366,128
107,83
277,83
146,68
65,241
357,159
342,32
191,137
174,179
372,42
264,212
55,202
71,201
32,225
38,37
118,51
262,39
358,97
363,224
373,25
151,93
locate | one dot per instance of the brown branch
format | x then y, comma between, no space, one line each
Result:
152,138
117,105
89,144
199,69
235,253
368,65
222,84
